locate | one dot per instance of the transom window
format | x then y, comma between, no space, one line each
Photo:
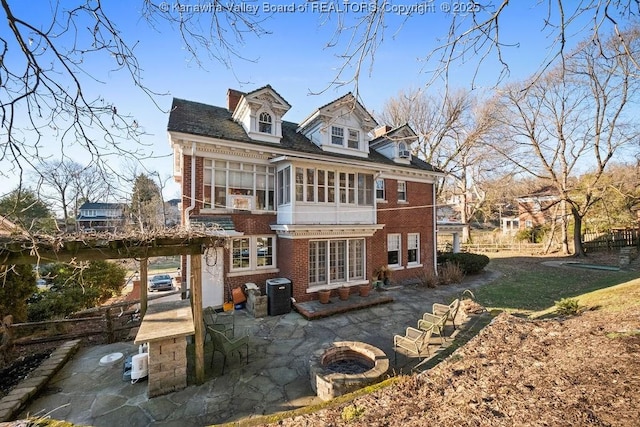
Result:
393,250
336,261
234,185
413,248
264,123
402,191
253,253
337,135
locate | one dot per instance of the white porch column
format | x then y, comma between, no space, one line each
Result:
456,242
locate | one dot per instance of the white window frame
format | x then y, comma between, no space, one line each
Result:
265,123
353,138
252,253
217,178
380,188
394,244
284,186
348,255
413,244
337,134
402,191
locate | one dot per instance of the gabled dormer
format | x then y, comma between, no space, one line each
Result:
341,126
394,144
259,112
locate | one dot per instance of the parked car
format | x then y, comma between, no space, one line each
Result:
160,282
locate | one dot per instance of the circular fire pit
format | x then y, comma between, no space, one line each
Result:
346,366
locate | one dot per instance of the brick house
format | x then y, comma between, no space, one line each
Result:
322,203
538,208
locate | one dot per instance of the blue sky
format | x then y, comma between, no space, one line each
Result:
294,59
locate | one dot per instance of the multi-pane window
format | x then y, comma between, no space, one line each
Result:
240,254
393,249
354,139
347,187
402,191
265,251
251,253
336,261
319,186
365,189
413,248
236,185
337,135
284,186
380,189
264,123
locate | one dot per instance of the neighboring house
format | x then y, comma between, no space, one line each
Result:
322,203
101,217
538,208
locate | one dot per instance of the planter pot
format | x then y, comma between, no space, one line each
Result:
364,290
227,306
344,293
324,296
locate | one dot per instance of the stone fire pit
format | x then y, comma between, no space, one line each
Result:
346,366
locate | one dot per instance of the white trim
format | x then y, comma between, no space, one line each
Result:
305,231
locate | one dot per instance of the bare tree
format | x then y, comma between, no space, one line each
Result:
65,184
450,129
574,117
46,66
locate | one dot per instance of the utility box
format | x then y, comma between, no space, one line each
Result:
279,294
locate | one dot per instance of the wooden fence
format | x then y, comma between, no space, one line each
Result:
615,239
108,324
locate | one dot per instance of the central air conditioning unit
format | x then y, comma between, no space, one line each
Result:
279,293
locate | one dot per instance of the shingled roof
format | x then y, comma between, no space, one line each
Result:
216,122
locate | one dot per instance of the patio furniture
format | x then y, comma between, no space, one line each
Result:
226,345
435,322
414,343
221,321
439,309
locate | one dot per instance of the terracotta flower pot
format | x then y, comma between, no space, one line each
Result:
344,293
364,290
324,296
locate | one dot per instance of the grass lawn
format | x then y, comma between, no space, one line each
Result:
527,285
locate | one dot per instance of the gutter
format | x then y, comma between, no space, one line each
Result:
191,207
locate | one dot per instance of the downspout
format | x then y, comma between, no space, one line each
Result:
435,231
192,206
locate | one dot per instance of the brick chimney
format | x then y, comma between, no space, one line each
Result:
233,97
381,130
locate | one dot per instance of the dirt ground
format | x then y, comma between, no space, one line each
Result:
582,370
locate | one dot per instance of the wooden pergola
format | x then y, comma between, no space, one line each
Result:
23,249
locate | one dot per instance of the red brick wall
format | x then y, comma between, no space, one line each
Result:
398,219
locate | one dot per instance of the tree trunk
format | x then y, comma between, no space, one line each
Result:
577,233
565,228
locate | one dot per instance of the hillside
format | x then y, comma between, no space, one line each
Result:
582,370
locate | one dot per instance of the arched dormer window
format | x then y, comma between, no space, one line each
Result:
403,150
264,123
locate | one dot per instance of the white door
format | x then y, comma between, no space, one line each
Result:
212,279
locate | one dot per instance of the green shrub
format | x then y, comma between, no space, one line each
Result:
469,263
351,412
76,288
567,307
17,285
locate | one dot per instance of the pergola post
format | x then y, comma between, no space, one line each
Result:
196,307
144,262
